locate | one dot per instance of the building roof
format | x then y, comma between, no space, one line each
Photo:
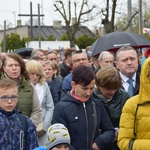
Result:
57,33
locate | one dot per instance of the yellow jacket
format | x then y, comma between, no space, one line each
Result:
135,117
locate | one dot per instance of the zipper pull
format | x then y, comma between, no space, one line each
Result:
21,139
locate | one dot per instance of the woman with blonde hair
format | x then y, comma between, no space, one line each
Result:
53,82
36,74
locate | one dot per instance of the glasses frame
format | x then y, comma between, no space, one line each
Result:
6,98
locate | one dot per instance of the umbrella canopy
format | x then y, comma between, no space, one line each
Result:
113,41
24,52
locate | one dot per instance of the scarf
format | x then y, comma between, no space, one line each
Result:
98,93
72,93
17,83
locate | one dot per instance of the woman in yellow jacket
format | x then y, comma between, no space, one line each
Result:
134,131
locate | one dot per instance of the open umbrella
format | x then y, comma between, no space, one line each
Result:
24,52
113,41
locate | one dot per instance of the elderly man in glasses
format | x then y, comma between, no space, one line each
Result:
17,131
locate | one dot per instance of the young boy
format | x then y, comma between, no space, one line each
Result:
17,131
58,138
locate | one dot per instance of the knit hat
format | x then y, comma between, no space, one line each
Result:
57,134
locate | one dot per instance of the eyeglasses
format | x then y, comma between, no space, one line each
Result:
6,98
78,60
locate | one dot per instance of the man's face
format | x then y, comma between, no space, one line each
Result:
10,104
83,92
127,62
52,57
106,61
12,69
107,93
40,54
79,59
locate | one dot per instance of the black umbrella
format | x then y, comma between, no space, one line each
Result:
24,52
113,41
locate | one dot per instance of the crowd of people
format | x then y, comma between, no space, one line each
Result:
77,103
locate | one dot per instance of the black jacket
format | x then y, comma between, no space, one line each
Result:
114,109
78,117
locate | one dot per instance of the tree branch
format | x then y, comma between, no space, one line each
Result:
63,13
129,21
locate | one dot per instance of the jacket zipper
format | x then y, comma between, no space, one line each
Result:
86,118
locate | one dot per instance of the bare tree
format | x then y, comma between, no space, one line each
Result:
80,8
109,24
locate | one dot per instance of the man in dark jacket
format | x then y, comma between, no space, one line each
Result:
66,65
86,119
78,58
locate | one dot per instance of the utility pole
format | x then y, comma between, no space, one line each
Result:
130,14
39,26
4,44
31,20
140,17
42,11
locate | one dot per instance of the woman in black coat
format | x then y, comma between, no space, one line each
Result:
86,118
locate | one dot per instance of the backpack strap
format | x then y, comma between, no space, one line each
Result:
24,122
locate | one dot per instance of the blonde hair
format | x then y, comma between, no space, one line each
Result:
7,84
34,66
50,63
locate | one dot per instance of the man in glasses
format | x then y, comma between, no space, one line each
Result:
78,58
13,132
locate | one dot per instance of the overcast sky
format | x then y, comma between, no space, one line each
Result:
9,10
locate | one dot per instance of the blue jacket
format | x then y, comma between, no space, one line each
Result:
41,148
78,117
66,85
53,90
55,86
10,129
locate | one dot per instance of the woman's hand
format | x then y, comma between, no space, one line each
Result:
95,147
41,133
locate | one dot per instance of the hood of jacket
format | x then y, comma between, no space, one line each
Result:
144,92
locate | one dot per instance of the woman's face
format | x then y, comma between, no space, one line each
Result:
83,92
48,71
107,93
12,69
34,78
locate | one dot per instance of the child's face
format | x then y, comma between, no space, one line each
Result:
61,147
8,104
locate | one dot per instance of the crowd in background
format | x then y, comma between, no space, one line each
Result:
106,86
